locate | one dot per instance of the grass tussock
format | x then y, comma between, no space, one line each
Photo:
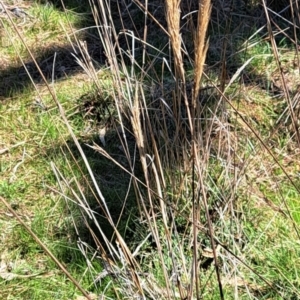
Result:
149,151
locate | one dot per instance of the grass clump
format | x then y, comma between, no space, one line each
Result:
140,161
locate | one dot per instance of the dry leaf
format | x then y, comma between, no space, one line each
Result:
102,133
3,150
92,297
207,252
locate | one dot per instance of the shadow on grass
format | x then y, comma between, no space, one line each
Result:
115,185
55,62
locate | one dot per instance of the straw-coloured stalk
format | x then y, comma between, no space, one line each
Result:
139,134
201,45
173,20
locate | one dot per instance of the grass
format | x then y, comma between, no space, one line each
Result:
132,169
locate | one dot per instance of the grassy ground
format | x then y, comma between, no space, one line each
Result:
137,192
